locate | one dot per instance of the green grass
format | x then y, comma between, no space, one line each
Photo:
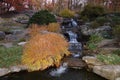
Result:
94,39
10,56
109,58
92,46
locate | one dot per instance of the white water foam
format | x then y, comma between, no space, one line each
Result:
60,70
73,37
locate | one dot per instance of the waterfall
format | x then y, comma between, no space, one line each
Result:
57,72
73,37
74,44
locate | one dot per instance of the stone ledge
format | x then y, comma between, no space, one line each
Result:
75,63
4,71
110,72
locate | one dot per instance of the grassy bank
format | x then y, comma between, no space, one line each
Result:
10,56
111,58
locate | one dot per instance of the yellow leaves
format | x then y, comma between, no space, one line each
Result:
53,27
44,50
67,13
35,29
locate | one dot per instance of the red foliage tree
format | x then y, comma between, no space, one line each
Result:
18,5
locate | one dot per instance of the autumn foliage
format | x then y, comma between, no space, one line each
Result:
17,4
67,13
44,50
35,29
52,27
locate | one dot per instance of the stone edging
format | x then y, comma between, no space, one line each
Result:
110,72
4,71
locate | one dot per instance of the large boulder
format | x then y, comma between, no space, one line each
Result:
2,35
105,31
17,35
111,72
11,38
21,18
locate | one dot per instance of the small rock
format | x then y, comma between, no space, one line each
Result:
2,35
24,21
22,43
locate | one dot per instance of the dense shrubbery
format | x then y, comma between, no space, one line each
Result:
35,29
66,13
95,38
99,21
85,18
94,24
116,31
92,11
102,20
42,17
115,20
117,52
44,50
52,27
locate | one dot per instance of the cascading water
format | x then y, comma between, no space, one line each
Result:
60,70
74,44
73,37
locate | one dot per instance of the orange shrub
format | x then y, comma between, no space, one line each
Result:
53,27
66,13
35,29
44,50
